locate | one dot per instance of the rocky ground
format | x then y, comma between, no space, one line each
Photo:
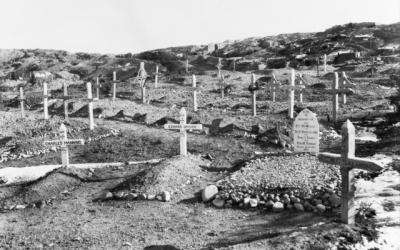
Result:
128,206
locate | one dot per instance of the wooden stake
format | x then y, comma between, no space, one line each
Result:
65,100
194,85
45,101
90,105
22,99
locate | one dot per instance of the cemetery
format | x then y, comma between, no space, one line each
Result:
204,151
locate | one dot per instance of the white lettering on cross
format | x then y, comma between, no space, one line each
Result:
64,142
182,126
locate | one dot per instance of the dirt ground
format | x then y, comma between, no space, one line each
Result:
70,218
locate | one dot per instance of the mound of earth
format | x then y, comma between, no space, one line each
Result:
180,176
301,174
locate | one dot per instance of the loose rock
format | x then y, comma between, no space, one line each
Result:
278,207
209,193
218,202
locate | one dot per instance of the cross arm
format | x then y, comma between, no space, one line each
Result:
365,164
329,158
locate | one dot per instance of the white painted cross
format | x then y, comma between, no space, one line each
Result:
345,81
141,80
45,101
65,100
156,78
348,162
90,105
194,86
219,67
254,96
22,100
182,127
291,88
335,91
114,92
64,142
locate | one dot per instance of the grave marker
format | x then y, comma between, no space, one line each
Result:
254,96
325,61
45,101
64,142
141,79
219,67
114,92
182,127
301,81
65,100
156,78
97,89
335,91
22,100
306,132
345,81
90,104
348,162
276,84
291,88
187,66
194,86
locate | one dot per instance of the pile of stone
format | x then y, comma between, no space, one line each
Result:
279,181
132,195
275,202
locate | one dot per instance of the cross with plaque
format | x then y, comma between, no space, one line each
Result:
348,162
182,127
140,80
63,143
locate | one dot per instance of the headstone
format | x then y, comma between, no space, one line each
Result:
182,127
348,162
45,101
306,132
64,142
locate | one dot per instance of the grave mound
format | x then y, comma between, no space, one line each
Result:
278,174
180,176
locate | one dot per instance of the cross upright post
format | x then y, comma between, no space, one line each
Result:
187,66
348,162
344,87
45,101
234,65
156,78
274,86
219,66
325,61
254,96
97,89
22,100
114,92
335,96
65,98
182,127
194,86
90,105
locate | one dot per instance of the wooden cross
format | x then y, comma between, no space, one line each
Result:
64,142
22,100
222,84
325,61
187,66
219,67
344,82
335,91
348,162
90,105
97,89
301,81
234,65
45,101
291,88
156,78
273,86
141,80
65,100
254,96
194,86
114,81
182,127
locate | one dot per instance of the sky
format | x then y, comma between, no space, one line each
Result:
121,26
